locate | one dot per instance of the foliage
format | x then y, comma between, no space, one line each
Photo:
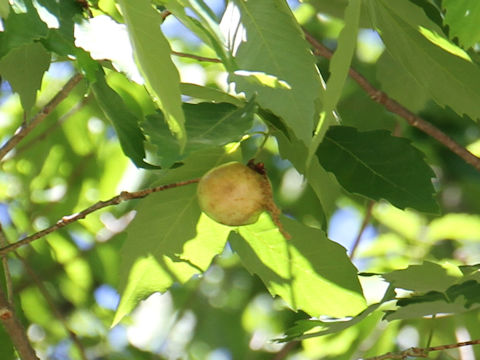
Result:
180,86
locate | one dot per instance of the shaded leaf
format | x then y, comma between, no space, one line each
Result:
21,29
339,67
277,48
208,93
208,125
322,182
426,277
23,67
125,123
399,84
299,330
152,52
378,165
309,272
463,19
442,68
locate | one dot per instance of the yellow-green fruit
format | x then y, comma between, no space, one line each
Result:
232,194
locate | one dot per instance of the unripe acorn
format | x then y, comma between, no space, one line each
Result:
233,194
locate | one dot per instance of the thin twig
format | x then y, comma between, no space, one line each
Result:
396,108
196,57
52,127
15,330
39,283
366,219
66,220
284,351
27,127
6,268
422,352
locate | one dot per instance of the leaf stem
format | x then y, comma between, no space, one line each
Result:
196,57
396,108
66,220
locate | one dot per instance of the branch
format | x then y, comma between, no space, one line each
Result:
196,57
46,295
15,330
422,352
66,220
6,268
51,128
366,219
25,128
396,108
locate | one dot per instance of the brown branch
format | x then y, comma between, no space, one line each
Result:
26,128
6,268
15,330
46,295
52,127
396,108
422,352
366,219
66,220
196,57
284,351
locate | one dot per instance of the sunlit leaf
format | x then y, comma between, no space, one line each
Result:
152,52
276,47
309,272
442,68
169,240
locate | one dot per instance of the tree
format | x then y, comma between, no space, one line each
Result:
363,115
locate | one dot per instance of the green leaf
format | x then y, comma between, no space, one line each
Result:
21,29
462,18
210,94
299,330
4,9
445,71
169,240
125,123
208,125
339,67
323,183
277,48
309,272
399,84
206,27
455,227
23,67
336,8
152,52
426,277
378,166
